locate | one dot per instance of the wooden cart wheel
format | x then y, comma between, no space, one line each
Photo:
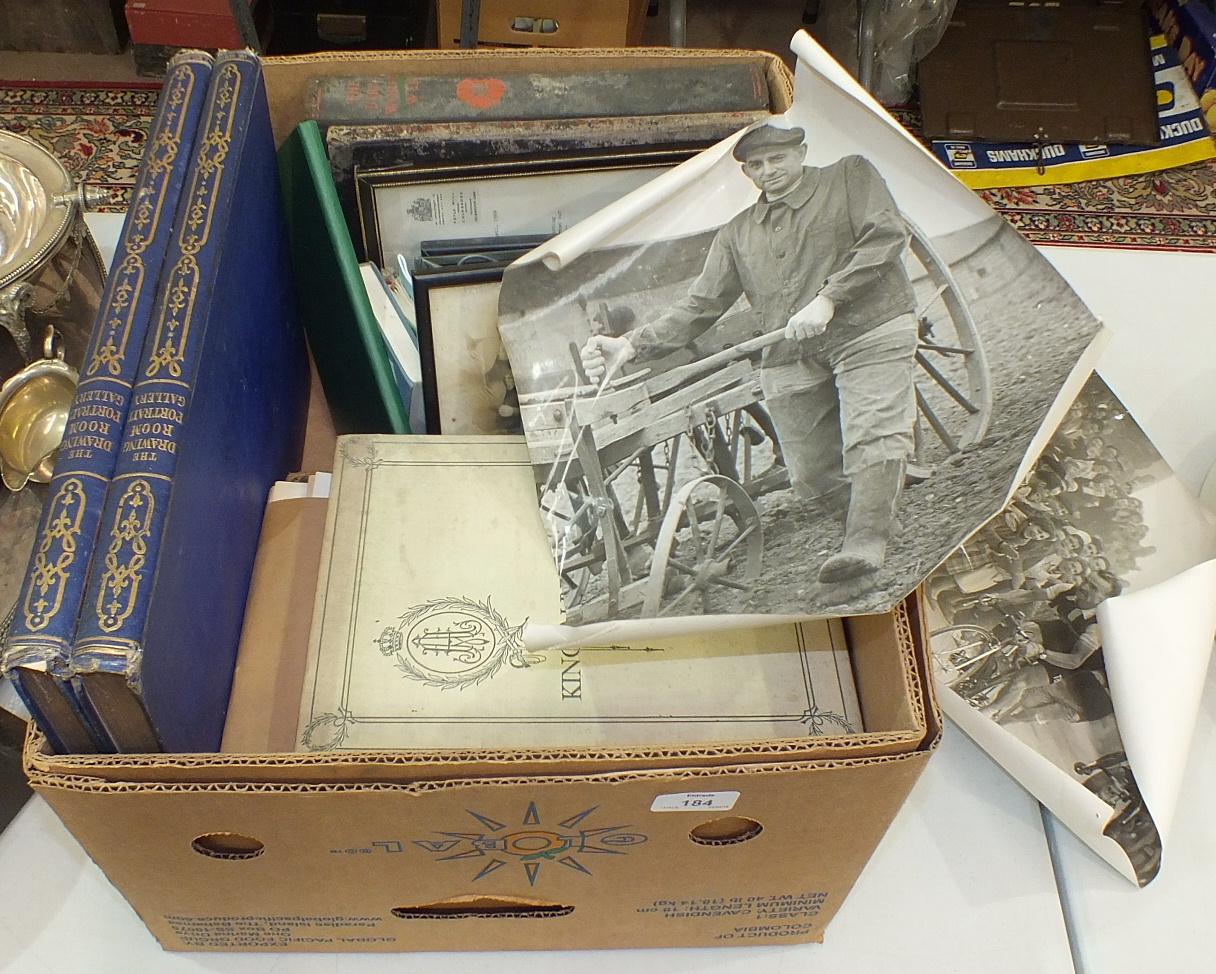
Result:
710,545
953,383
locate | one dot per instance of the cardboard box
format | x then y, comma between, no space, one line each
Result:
547,23
288,77
333,852
542,849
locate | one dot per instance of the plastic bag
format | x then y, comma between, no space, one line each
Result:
893,35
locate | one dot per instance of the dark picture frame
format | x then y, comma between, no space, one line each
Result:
399,208
440,343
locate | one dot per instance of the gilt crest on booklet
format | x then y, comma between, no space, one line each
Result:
787,377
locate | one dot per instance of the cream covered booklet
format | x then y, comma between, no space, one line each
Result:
437,602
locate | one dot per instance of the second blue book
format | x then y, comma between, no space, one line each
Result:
217,415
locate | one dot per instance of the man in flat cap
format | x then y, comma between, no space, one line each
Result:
819,256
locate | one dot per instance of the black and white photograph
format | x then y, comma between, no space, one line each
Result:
792,386
467,383
1013,612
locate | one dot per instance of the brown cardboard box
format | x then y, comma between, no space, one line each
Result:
639,847
547,23
513,850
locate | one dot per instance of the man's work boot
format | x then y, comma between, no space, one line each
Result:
871,519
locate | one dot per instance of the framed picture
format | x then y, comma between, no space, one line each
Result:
464,246
425,145
436,263
467,384
400,208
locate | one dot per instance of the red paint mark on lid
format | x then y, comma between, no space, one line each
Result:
481,92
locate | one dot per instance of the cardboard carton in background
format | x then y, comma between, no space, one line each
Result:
391,851
547,23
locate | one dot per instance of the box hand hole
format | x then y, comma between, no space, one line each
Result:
228,845
461,907
730,830
534,25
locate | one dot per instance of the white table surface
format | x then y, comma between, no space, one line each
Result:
1162,363
1168,925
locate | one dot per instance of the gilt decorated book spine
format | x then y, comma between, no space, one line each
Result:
39,643
217,414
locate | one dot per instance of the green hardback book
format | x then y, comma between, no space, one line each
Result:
352,358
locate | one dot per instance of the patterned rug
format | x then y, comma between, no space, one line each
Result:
96,130
1174,209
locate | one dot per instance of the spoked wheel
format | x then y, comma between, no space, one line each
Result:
570,515
708,550
957,650
604,533
953,384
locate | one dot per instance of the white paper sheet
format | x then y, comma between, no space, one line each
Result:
1161,361
1158,643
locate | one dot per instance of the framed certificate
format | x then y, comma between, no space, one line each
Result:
400,208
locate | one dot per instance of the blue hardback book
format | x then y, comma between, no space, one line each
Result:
217,416
39,643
